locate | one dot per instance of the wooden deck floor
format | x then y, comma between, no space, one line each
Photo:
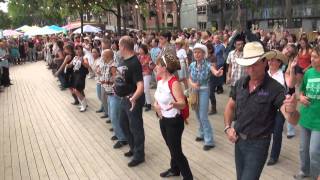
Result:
43,136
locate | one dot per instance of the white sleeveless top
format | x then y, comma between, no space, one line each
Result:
164,98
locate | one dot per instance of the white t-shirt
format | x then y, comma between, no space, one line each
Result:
182,55
88,55
164,98
278,76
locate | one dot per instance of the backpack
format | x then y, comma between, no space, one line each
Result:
185,111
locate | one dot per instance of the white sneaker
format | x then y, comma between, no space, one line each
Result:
83,105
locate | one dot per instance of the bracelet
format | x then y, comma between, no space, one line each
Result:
226,129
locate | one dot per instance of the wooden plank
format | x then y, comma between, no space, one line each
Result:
24,170
7,143
52,157
61,143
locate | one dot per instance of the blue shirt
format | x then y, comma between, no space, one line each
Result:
219,52
154,52
200,73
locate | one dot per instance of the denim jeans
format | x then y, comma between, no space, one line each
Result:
290,130
104,100
114,113
310,152
277,136
131,123
99,95
62,79
146,82
32,54
171,130
205,129
250,157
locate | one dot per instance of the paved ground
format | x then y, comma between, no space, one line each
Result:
43,136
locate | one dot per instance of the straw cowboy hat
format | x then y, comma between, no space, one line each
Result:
252,52
280,56
201,47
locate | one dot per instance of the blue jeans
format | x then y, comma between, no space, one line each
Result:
310,152
114,113
98,89
104,100
132,125
290,130
277,136
250,157
205,129
62,79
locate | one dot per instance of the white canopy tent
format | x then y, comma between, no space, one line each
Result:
87,29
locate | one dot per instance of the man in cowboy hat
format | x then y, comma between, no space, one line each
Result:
253,104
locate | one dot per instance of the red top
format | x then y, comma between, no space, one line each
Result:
304,60
145,60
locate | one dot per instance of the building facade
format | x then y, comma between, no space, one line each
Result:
266,14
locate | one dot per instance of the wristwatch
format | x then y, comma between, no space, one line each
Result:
226,129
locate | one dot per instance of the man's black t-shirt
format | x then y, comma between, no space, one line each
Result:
256,111
131,70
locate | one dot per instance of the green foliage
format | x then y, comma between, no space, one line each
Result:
5,21
46,12
30,12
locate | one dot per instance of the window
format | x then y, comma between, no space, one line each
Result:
202,25
214,9
297,23
228,6
202,10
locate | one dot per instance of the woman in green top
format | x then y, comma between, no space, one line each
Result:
310,119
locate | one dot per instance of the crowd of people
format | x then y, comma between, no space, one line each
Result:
267,76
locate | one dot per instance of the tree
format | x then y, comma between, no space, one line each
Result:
288,13
178,4
4,20
34,12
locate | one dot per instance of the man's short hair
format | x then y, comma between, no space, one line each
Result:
127,42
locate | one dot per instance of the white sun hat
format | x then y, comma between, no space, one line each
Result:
201,47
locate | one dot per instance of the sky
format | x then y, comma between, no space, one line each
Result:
4,7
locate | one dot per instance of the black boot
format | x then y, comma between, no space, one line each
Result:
76,101
213,110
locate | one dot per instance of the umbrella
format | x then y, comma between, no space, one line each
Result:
87,28
23,28
72,26
44,31
57,28
26,28
10,33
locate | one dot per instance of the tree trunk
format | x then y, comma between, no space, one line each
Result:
119,18
155,8
157,23
221,22
288,11
239,15
125,14
178,18
81,20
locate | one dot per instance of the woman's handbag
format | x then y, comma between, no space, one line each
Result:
193,98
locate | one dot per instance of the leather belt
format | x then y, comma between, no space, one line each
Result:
246,137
